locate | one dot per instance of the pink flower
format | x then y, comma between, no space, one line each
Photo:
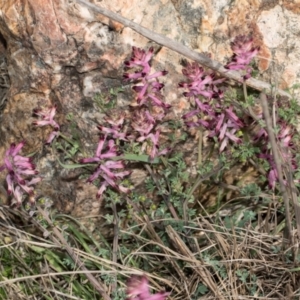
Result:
225,126
142,122
115,123
106,168
243,54
194,119
138,289
148,87
47,118
140,58
153,140
284,138
199,82
21,173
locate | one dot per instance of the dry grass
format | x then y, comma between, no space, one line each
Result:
253,262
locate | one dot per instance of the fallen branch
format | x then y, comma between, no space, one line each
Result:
183,50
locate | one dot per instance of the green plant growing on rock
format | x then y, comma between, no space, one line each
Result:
162,225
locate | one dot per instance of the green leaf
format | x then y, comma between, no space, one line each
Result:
135,157
129,157
202,289
39,250
54,261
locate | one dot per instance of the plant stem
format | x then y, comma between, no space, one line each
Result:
270,130
251,112
199,162
115,241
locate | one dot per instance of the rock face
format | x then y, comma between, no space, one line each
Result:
58,52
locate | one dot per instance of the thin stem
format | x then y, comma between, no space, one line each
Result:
115,242
277,161
67,139
165,197
250,110
199,162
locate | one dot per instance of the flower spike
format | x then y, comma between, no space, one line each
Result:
21,174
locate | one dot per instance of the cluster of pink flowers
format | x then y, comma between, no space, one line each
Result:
106,167
149,107
21,174
287,150
225,126
244,52
142,123
220,119
210,111
115,126
47,118
149,99
147,87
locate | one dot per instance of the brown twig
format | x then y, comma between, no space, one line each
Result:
203,272
96,284
294,194
183,50
269,127
115,242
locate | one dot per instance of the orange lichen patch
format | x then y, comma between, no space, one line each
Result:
294,7
236,15
11,11
264,57
116,25
267,5
264,54
254,4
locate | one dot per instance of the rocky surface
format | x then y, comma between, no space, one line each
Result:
59,52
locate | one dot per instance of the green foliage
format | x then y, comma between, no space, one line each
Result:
290,112
242,274
250,101
251,190
177,135
107,100
239,219
70,146
172,186
119,294
205,168
200,291
244,151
